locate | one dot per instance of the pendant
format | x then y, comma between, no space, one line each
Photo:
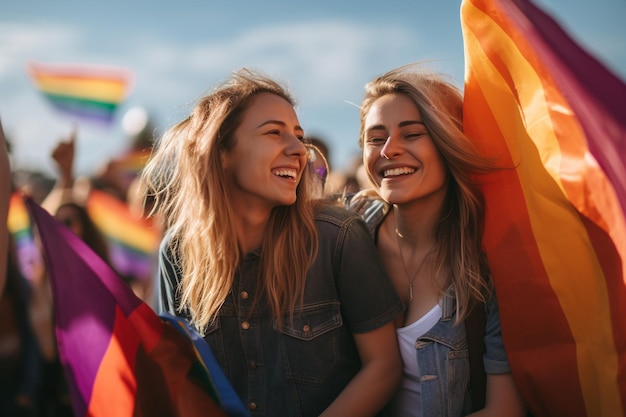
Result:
410,292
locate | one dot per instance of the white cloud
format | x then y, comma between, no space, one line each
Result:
21,42
323,56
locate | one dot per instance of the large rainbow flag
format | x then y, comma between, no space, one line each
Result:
555,118
120,358
84,92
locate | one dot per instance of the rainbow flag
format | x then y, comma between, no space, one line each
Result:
133,241
18,224
84,92
555,235
120,358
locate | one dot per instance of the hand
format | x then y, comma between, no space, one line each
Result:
63,155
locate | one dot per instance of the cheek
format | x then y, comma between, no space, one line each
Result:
369,160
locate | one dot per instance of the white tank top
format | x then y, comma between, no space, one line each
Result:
408,400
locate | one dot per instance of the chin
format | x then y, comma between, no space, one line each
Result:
386,195
392,197
287,201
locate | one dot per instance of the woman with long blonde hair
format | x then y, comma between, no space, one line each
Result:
426,211
287,290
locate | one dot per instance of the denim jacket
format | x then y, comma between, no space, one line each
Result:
301,369
443,358
442,353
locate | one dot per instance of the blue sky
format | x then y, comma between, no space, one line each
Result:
325,51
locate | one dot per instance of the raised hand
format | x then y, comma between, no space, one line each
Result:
63,155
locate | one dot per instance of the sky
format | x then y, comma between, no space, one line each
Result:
323,50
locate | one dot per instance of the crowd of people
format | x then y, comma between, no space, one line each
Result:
320,293
32,380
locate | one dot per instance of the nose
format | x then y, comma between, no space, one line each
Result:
295,147
391,148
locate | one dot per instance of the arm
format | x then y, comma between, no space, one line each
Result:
369,306
378,378
63,155
5,194
503,398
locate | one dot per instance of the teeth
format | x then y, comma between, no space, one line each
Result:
290,173
398,171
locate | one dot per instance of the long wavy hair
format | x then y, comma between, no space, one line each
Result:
184,177
459,230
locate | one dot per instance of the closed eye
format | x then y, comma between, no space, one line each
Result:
277,132
416,135
376,140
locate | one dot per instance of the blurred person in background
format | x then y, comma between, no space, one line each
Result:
20,358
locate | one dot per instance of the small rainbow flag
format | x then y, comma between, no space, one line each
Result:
18,224
555,119
133,242
84,92
120,358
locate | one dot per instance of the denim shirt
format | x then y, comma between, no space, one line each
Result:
301,369
442,353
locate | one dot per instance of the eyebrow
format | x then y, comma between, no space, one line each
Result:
278,122
401,124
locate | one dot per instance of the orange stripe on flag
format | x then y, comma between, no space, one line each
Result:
109,396
18,219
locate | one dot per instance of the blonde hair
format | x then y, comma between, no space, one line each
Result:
185,177
459,230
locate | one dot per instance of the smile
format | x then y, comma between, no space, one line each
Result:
285,173
398,171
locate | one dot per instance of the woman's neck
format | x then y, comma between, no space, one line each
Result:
415,223
250,227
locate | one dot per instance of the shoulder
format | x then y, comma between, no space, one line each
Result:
371,208
336,223
166,245
334,213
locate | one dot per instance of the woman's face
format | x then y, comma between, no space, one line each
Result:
398,153
265,166
70,217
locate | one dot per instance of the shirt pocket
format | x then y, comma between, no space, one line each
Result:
443,361
310,342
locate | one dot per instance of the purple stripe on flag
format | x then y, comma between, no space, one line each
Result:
594,93
131,264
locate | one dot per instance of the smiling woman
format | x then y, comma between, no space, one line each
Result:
426,212
260,265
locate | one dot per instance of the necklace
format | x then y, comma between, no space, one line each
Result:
406,270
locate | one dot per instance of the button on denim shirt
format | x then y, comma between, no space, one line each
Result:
442,353
300,369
